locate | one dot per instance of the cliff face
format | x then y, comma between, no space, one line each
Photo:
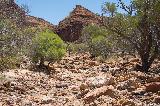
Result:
35,21
68,29
71,27
10,10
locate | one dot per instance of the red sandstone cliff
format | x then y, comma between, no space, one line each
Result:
68,29
71,27
35,21
10,10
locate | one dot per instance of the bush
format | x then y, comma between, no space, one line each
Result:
8,62
97,39
14,42
10,44
99,47
47,46
77,47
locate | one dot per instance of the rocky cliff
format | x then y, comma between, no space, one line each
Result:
71,27
10,10
35,21
68,29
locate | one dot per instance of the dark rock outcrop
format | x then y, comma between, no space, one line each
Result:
71,27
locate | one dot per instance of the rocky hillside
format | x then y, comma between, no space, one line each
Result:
10,10
78,80
70,28
35,21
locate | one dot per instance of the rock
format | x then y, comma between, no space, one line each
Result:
8,10
46,100
74,89
7,84
114,69
105,90
92,63
10,75
104,68
99,81
71,27
73,70
83,87
153,87
153,79
128,103
61,85
130,84
35,21
134,60
27,103
157,100
139,91
82,94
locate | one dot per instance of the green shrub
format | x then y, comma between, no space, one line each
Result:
47,46
99,47
77,47
10,44
14,42
96,38
8,62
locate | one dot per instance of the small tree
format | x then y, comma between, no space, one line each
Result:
109,8
47,46
140,26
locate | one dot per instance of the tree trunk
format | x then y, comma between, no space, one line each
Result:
41,64
145,61
145,65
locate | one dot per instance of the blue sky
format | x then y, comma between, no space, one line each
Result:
56,10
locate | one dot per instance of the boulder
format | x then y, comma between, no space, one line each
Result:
83,86
46,100
99,81
157,100
153,87
153,79
130,84
105,90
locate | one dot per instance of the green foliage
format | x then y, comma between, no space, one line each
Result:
2,77
99,46
14,43
8,62
109,7
138,26
77,47
97,40
92,31
9,37
48,46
